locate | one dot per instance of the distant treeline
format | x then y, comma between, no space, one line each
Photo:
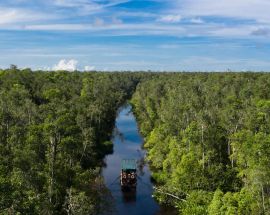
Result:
55,129
208,140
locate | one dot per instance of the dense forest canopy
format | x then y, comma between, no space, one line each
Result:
55,129
208,138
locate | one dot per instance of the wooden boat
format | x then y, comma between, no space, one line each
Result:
128,177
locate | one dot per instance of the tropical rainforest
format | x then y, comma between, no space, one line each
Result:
208,140
55,129
207,137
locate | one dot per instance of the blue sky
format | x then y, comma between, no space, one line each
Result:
171,35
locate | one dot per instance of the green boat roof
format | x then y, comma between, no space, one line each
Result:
128,164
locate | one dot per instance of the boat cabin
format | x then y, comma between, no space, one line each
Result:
128,177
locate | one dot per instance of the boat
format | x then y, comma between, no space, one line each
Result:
128,176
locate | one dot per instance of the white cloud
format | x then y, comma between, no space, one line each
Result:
86,6
109,21
261,32
69,3
89,68
90,5
116,2
170,29
136,14
170,18
17,15
244,9
58,27
197,21
113,29
235,31
68,65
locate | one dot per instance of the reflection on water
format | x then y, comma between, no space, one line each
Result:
127,145
129,195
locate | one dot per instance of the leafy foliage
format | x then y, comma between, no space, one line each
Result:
207,136
55,129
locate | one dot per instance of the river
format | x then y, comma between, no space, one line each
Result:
128,145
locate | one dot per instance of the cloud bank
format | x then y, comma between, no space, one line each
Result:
89,68
67,65
170,18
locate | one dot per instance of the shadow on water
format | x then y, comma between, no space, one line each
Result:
127,143
129,196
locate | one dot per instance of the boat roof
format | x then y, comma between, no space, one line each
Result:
128,164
